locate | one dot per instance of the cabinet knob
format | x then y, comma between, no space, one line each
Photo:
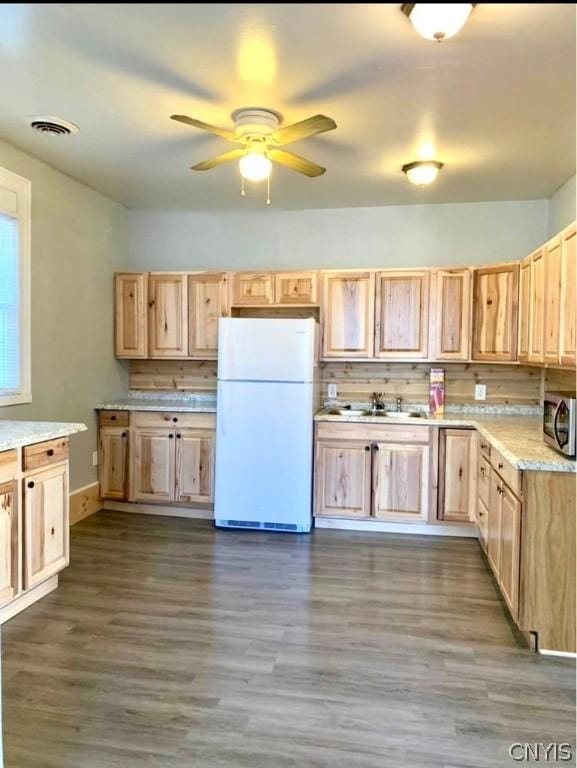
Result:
171,436
31,484
499,491
178,437
124,434
174,419
482,470
375,447
50,452
500,466
367,447
113,418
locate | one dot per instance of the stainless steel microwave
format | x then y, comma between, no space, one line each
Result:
559,421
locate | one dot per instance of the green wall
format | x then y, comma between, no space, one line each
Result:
562,207
79,238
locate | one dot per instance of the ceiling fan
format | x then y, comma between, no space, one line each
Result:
259,137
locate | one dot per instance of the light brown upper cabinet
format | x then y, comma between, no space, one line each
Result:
495,300
552,300
168,316
402,314
400,481
131,314
537,306
251,289
457,452
9,542
568,298
450,336
524,309
349,314
208,301
296,288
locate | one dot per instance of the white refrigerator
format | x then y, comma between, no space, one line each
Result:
264,426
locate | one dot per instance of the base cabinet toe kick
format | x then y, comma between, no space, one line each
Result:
34,523
452,481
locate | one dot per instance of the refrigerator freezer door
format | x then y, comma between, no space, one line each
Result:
264,456
266,349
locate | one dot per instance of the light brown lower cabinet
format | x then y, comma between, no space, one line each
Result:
46,524
194,466
153,465
384,476
9,542
457,451
113,452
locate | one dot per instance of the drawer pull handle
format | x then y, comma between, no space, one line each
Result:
52,531
499,465
50,452
31,484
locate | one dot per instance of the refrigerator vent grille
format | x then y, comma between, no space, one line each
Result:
254,524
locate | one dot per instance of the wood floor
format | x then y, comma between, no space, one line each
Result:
170,644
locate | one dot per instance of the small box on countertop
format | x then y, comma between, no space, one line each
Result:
437,391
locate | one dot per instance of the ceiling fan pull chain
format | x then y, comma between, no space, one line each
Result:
268,191
242,192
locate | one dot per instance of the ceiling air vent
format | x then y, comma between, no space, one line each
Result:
53,126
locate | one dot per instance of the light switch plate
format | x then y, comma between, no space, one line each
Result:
332,391
480,391
94,458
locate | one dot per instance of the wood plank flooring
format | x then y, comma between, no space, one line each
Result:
170,644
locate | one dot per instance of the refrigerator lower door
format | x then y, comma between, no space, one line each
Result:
264,445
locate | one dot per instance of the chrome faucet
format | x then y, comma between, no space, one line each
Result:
399,401
378,404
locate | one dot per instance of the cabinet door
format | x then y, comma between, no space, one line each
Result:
195,466
524,308
568,299
495,297
349,314
343,479
483,480
451,313
509,557
113,463
208,299
131,315
296,287
456,475
252,289
46,524
402,314
552,304
494,524
9,542
168,316
153,458
401,482
537,307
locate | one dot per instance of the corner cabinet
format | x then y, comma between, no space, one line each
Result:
348,314
495,303
402,314
131,336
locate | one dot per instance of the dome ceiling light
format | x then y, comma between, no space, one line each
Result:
437,21
422,172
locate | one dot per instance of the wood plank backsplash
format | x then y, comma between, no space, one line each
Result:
506,384
557,380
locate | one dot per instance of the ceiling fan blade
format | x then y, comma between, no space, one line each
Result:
295,162
223,132
226,157
309,127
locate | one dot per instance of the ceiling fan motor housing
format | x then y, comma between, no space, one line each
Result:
253,122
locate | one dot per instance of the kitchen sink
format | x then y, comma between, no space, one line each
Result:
380,414
348,412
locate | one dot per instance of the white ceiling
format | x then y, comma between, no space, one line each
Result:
497,102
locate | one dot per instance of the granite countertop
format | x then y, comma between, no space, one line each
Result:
519,438
15,434
182,404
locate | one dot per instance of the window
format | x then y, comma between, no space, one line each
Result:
14,289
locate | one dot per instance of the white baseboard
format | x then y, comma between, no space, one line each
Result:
381,526
562,654
28,598
167,510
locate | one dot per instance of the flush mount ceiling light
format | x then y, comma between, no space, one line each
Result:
437,21
52,126
422,172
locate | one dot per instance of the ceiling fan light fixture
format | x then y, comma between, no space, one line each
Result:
422,172
437,21
255,165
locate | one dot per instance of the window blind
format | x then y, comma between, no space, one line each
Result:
9,306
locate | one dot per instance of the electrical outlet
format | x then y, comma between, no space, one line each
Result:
95,458
332,391
480,391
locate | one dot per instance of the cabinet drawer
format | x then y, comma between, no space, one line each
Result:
484,480
8,464
507,471
44,454
113,418
174,419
